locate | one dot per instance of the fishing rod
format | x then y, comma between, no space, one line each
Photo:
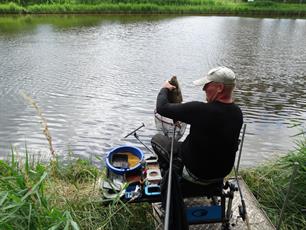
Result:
137,137
166,225
242,207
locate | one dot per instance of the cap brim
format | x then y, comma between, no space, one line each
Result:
202,81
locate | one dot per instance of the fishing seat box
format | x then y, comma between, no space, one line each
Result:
190,189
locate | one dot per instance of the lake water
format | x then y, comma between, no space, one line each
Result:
96,78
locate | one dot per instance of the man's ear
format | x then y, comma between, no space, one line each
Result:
220,88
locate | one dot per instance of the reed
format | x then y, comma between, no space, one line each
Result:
203,8
23,200
269,183
218,7
12,8
32,197
76,189
44,123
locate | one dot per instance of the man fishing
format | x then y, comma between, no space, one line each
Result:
208,152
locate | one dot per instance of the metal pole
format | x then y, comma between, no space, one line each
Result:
295,166
166,225
241,145
136,136
134,130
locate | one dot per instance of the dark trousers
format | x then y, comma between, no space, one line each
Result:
162,147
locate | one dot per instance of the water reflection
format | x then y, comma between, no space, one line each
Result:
96,77
12,24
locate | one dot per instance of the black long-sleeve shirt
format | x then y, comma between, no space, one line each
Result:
210,148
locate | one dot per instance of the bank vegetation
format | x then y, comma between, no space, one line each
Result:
270,185
61,196
58,195
211,7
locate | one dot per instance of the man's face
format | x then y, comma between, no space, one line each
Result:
212,89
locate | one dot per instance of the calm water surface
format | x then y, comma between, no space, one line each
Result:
96,78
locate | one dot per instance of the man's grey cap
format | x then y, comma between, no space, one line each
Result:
220,74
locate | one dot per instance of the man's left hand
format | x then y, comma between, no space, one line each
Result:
167,85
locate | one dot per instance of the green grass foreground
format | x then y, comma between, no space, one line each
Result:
212,7
269,183
58,196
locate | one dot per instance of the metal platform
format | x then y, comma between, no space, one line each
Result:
257,217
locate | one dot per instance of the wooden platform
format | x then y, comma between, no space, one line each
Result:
257,217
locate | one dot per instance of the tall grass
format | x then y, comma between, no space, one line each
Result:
269,183
158,6
24,203
11,8
31,197
76,189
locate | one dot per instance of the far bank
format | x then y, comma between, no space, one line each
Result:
187,7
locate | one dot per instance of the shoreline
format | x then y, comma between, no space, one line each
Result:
273,10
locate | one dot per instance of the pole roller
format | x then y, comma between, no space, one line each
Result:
166,224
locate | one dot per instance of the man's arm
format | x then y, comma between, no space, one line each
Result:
185,112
